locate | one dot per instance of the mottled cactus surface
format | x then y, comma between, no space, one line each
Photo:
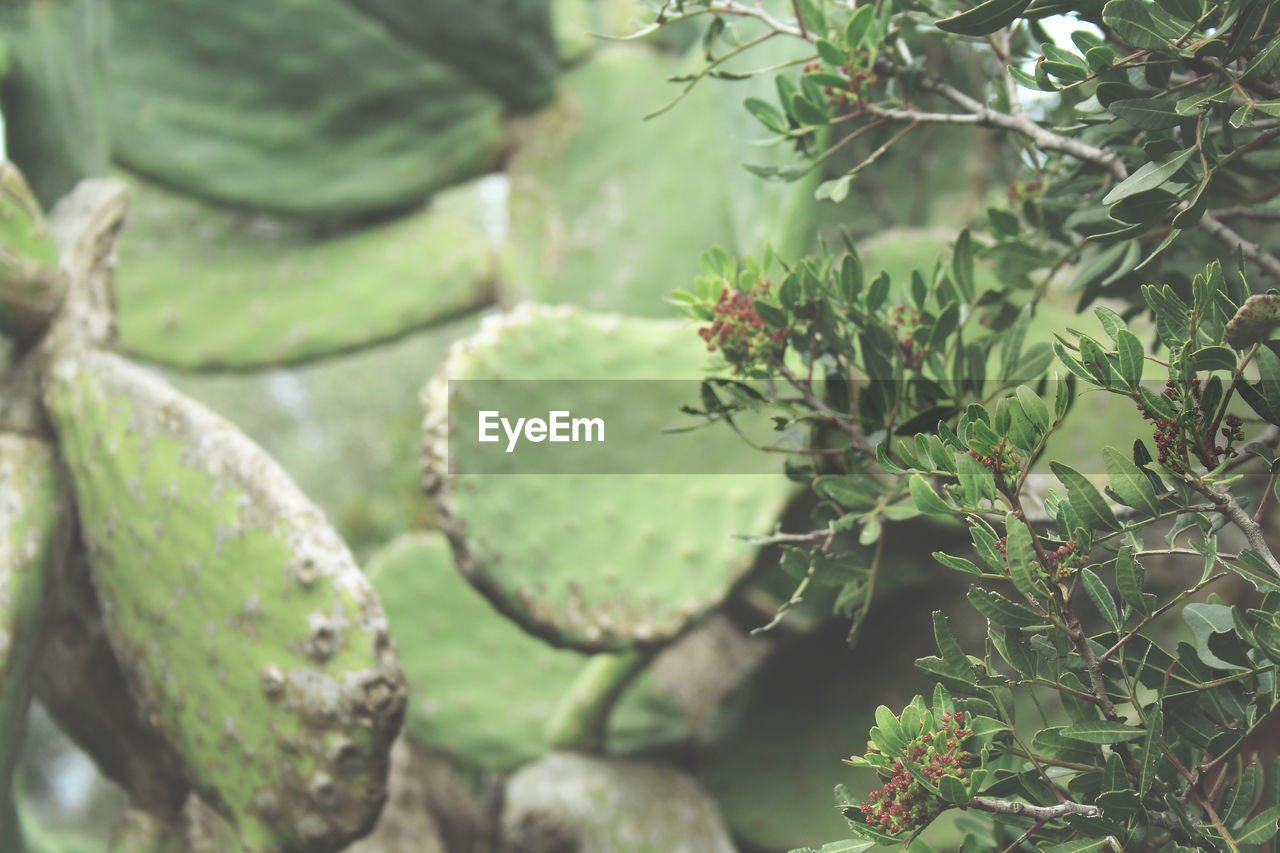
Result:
30,507
244,627
201,288
284,107
596,562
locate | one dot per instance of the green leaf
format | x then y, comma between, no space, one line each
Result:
767,114
855,32
1151,175
953,790
1024,568
1132,356
807,112
1101,597
1197,104
962,264
959,564
1129,577
1102,731
1034,406
1212,358
830,53
1132,486
1142,25
1264,62
1002,611
983,19
1205,620
956,662
1146,113
1239,800
1261,829
1086,500
890,726
926,499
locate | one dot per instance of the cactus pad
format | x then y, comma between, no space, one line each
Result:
249,638
30,284
53,98
505,46
601,216
302,107
29,511
199,288
482,688
599,562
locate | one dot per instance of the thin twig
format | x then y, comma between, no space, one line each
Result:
1042,813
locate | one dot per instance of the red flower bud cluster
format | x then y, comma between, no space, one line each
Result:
740,333
903,803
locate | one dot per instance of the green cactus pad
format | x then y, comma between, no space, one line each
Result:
506,46
482,689
610,211
29,511
594,561
302,107
249,638
53,98
201,288
30,284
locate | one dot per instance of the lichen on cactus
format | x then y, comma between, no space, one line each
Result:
30,512
242,623
599,562
251,644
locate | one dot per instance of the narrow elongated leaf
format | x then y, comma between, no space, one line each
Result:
1002,611
1131,356
1103,731
1150,176
1101,597
1151,749
952,655
1086,500
957,563
1129,581
1024,568
1146,113
1261,829
984,19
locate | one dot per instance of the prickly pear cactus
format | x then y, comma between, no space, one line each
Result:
30,507
54,101
301,107
200,290
30,284
241,620
506,46
609,210
252,646
591,561
482,688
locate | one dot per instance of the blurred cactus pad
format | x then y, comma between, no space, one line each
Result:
283,107
204,288
610,211
53,91
600,563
